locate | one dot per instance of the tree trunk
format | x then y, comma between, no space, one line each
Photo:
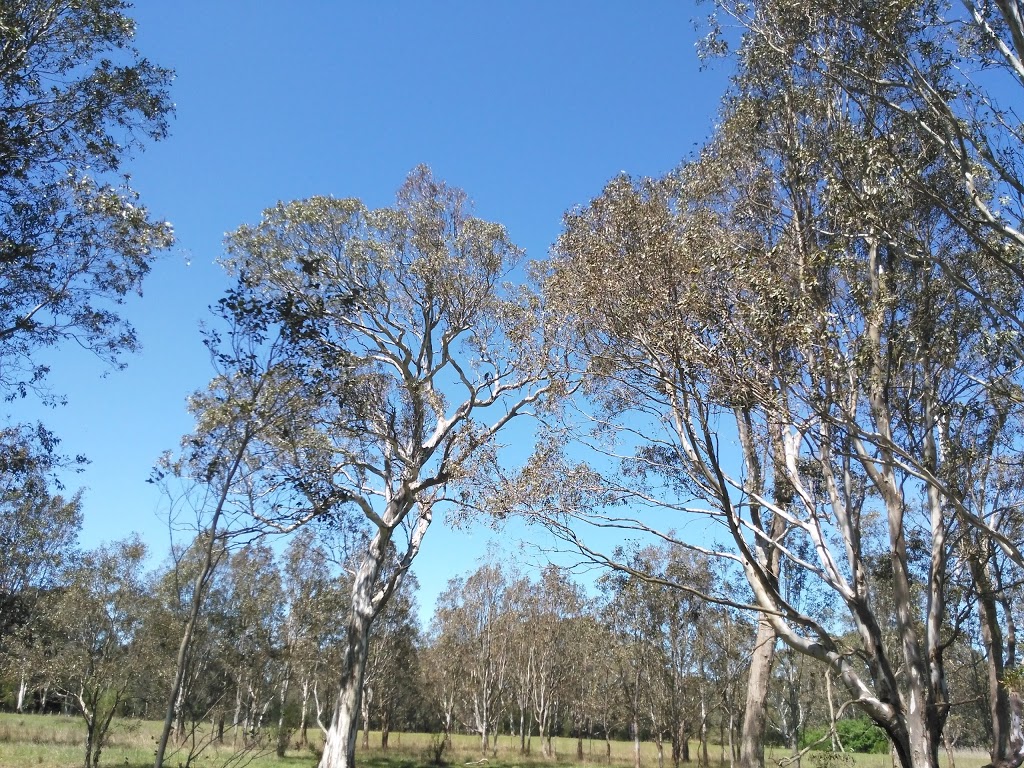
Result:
680,749
833,735
210,560
636,744
703,749
90,738
992,638
545,739
522,730
366,717
340,740
237,716
282,733
22,689
1015,740
752,736
303,717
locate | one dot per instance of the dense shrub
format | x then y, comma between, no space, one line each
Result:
858,735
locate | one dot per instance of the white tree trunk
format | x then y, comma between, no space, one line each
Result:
340,739
22,690
752,737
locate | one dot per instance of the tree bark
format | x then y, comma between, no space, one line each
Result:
752,736
340,740
210,560
282,733
365,707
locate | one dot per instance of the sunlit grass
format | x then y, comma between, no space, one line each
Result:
54,741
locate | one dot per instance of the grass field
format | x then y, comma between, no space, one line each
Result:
53,741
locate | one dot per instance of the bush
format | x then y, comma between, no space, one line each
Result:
857,735
435,752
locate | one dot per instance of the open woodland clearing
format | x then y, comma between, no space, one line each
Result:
56,741
773,396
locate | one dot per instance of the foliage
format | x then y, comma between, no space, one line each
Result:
38,528
402,357
794,336
76,99
94,651
855,734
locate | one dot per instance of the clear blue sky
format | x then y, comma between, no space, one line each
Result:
529,106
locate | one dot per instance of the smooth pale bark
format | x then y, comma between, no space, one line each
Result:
304,715
751,747
282,733
832,733
759,677
367,602
22,690
703,748
1015,737
340,740
365,707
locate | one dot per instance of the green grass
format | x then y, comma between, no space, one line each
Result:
54,741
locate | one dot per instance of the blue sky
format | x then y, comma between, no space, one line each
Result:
529,106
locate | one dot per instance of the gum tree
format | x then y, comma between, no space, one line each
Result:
810,336
98,653
410,357
76,99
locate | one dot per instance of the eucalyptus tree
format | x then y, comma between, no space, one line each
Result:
520,592
442,678
926,162
475,623
635,620
211,482
254,623
316,594
393,665
739,333
824,289
38,542
76,100
196,680
409,356
931,81
97,656
551,605
587,659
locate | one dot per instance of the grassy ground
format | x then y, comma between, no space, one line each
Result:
37,741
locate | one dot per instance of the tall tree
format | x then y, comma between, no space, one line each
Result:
38,528
393,665
316,596
210,481
95,622
474,620
411,358
76,99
